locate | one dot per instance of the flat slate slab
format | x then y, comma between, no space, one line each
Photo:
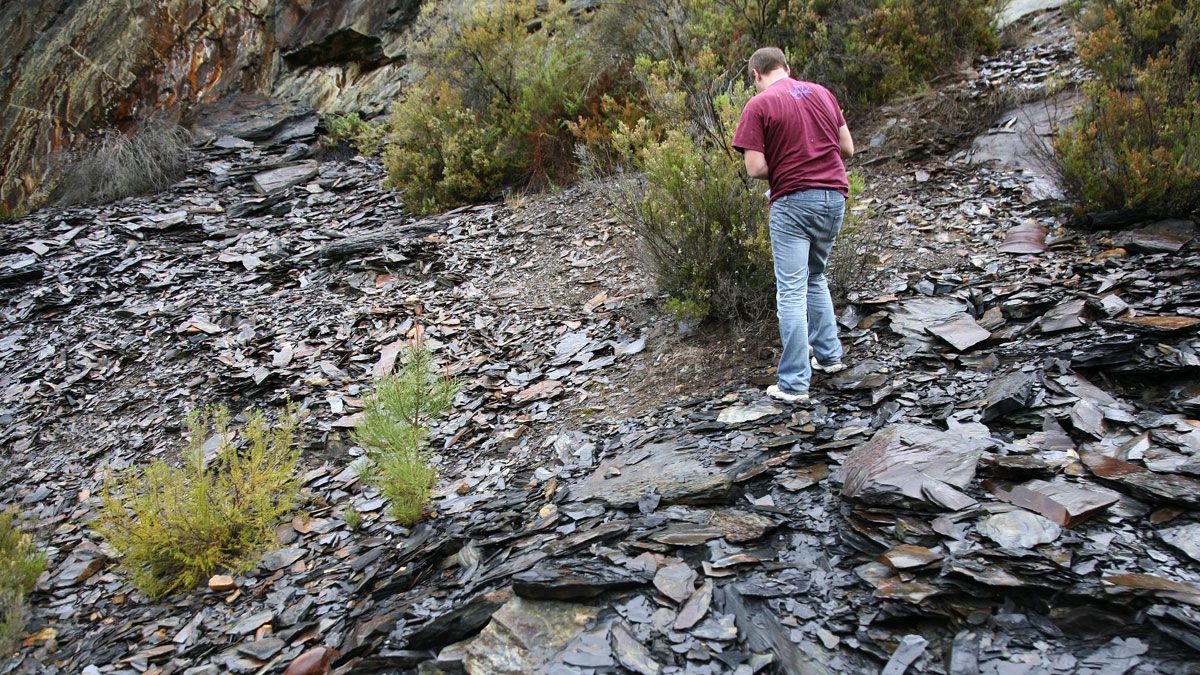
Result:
1165,236
910,464
679,475
526,636
285,177
961,332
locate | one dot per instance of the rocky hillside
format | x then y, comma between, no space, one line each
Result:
1004,481
69,67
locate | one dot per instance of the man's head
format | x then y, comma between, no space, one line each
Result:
767,65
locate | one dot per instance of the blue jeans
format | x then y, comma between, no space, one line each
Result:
803,227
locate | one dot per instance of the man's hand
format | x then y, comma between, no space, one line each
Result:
756,165
845,142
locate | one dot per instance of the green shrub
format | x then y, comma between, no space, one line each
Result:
118,165
175,527
394,430
901,43
701,220
1135,142
351,517
20,565
440,153
369,139
366,138
343,128
517,93
504,82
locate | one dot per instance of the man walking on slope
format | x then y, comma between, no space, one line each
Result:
794,136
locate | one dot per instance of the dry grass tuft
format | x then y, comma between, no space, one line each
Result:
117,165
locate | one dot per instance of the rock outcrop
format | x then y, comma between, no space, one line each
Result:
70,67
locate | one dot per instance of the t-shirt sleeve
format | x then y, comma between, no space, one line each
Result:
749,134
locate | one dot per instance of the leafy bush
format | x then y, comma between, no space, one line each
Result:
119,165
440,153
394,430
901,43
343,128
504,81
174,527
352,130
702,221
20,565
1135,142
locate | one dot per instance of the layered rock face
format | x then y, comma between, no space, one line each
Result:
69,67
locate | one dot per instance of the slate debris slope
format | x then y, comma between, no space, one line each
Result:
1028,561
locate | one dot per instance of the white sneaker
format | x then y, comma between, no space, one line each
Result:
775,392
835,367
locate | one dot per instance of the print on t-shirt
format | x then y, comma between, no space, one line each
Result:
795,125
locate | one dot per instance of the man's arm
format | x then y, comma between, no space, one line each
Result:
845,143
756,165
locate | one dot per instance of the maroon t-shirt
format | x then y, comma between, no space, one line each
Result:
795,125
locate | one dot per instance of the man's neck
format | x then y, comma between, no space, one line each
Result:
774,77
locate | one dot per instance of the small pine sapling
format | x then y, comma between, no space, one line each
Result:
395,427
20,565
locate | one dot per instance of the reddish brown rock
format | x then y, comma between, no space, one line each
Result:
316,661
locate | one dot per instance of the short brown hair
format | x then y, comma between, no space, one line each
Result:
767,59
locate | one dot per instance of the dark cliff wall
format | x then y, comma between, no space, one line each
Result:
69,67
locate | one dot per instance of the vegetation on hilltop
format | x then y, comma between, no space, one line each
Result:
1135,143
517,94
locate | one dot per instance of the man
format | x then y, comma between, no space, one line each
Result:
793,135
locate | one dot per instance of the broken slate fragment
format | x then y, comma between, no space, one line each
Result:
696,607
1162,487
961,332
1162,325
910,649
866,375
250,623
1008,394
1185,538
679,475
526,636
749,413
263,649
630,653
763,632
279,559
575,582
1153,584
739,527
686,534
676,581
908,556
1065,503
1067,315
1018,529
911,464
285,177
316,661
1165,236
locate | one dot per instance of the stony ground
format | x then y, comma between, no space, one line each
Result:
1004,482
